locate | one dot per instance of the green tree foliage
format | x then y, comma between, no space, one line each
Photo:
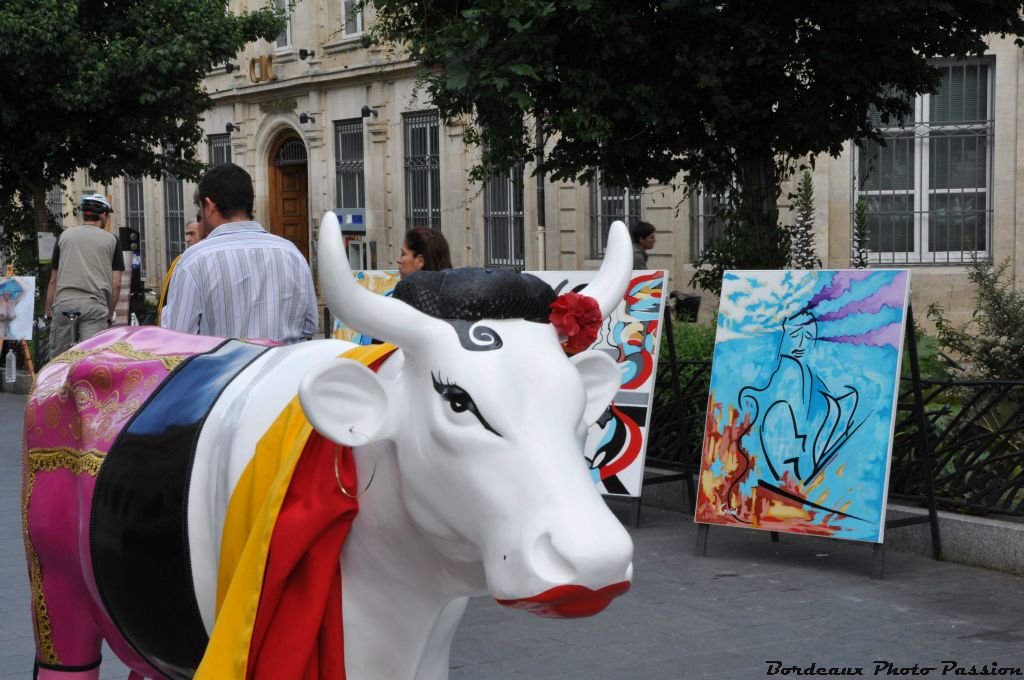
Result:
861,240
729,92
106,85
802,254
992,343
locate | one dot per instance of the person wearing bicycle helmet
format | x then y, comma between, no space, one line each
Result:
85,282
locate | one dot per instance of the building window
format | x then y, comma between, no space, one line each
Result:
284,40
927,190
351,17
55,204
135,214
348,163
706,225
608,204
220,149
503,220
174,217
422,170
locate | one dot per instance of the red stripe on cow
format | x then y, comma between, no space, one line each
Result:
298,629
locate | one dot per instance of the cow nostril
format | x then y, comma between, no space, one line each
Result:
549,563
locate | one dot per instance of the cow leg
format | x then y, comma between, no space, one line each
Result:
70,633
67,638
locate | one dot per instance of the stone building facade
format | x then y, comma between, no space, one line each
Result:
323,122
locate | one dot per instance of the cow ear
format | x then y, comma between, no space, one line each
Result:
601,380
344,401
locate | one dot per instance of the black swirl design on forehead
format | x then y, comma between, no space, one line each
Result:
475,336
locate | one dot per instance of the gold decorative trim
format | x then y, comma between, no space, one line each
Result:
65,458
41,616
121,347
48,460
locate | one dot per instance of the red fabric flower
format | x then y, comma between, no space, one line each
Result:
577,319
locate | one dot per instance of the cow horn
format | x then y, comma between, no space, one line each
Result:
372,315
609,285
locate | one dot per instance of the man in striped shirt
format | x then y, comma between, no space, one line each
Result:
240,281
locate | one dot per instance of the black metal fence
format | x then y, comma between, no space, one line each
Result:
976,435
676,434
975,432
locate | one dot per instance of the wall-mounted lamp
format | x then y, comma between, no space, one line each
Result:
367,111
231,127
229,67
303,53
306,118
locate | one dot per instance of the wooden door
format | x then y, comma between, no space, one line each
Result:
289,196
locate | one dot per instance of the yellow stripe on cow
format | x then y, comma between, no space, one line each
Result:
248,527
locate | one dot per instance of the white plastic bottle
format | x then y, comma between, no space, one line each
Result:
9,368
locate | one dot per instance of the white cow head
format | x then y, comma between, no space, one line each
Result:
489,419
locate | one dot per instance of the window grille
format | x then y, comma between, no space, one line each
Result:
348,163
503,220
292,152
135,214
706,226
351,17
174,217
284,39
219,149
422,170
927,190
608,204
55,204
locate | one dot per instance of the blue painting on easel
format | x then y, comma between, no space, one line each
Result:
802,401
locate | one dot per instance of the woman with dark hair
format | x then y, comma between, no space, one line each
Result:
425,249
643,237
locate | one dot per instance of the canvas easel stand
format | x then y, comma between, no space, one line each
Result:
924,466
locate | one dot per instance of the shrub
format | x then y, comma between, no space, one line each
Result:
861,242
694,342
929,357
802,254
992,343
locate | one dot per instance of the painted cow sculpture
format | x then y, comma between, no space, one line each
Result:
466,443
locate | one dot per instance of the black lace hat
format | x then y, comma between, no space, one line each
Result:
474,293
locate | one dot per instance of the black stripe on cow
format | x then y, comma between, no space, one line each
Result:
138,527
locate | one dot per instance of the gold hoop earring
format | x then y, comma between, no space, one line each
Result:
373,472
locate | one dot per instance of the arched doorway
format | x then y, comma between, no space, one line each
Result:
289,195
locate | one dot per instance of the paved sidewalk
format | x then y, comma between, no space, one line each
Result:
800,602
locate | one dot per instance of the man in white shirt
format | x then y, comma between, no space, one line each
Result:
240,281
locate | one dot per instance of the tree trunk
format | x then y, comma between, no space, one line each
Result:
759,187
39,209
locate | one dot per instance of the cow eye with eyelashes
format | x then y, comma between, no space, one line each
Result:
459,400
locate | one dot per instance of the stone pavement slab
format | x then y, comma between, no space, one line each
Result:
806,603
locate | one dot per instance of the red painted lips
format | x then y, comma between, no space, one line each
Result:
569,602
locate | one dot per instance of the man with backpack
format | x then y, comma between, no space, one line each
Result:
85,282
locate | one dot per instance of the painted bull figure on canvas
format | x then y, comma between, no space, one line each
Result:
187,498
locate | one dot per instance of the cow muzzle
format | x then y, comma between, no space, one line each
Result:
577,576
569,602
